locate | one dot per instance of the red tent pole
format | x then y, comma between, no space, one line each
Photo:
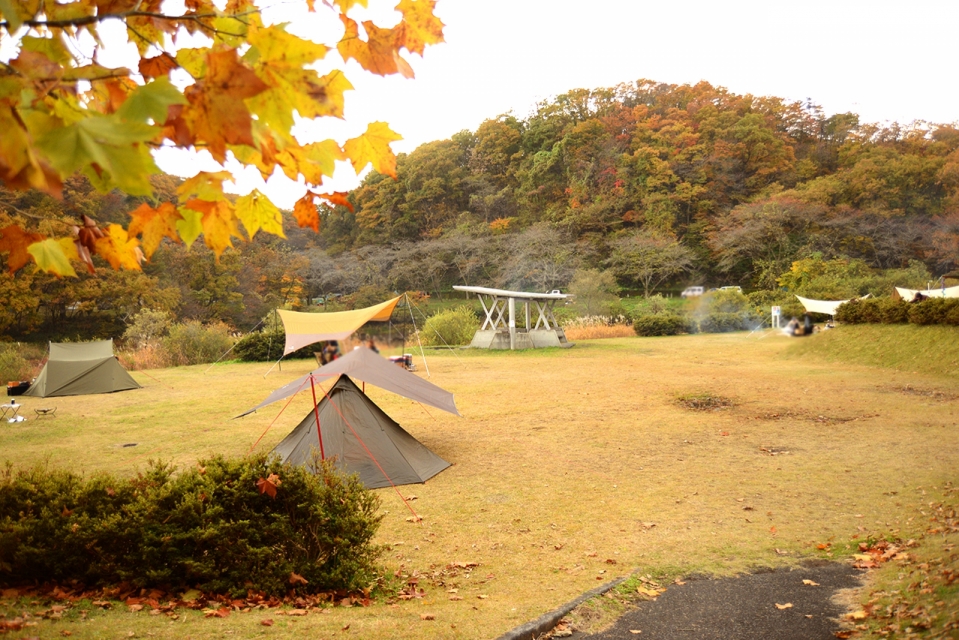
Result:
316,412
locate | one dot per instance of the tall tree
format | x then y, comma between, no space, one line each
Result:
648,259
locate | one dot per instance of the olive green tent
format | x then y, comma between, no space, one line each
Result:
81,368
361,438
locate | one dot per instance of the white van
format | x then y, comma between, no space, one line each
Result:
692,292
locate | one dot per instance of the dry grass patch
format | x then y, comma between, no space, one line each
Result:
563,459
704,402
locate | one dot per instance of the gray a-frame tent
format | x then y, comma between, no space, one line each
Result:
81,368
356,432
362,439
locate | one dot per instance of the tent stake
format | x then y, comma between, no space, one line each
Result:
316,413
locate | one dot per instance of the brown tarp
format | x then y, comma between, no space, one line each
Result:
81,368
363,364
304,329
362,439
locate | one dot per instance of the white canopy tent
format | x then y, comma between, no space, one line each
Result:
910,294
827,307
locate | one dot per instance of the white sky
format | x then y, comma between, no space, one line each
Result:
886,61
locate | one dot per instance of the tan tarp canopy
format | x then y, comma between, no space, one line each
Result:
303,329
362,439
363,364
81,368
909,294
825,306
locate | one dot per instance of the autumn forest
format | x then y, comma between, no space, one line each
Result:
661,185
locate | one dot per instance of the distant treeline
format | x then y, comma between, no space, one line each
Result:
659,185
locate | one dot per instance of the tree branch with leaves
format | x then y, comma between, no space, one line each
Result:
237,96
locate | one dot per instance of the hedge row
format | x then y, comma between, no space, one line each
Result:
267,346
667,324
208,528
892,311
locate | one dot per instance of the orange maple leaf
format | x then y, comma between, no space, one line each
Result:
16,240
373,147
305,213
154,225
336,198
157,66
217,113
379,55
269,484
119,249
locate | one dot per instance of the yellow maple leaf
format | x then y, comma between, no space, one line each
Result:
51,256
373,147
154,225
219,223
312,161
119,249
256,212
420,26
206,185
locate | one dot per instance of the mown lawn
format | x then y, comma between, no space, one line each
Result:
570,467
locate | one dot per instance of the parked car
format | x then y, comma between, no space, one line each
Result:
692,292
732,288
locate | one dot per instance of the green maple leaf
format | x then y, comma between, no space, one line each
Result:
50,257
110,143
151,101
190,226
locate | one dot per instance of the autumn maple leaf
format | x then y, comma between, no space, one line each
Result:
16,240
217,113
269,484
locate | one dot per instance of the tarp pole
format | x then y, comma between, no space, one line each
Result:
316,413
426,364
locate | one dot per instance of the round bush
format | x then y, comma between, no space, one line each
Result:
660,324
210,527
720,322
195,343
451,327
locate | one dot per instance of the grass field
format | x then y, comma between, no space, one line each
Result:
705,454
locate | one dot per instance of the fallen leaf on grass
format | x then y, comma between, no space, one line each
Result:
635,631
857,615
649,593
268,622
810,583
346,628
482,597
788,605
66,633
848,633
414,519
297,612
454,598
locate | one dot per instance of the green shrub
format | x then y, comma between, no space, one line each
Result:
148,326
724,322
195,343
265,346
207,528
660,324
892,311
860,311
13,364
451,327
932,311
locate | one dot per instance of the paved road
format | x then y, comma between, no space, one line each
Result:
742,608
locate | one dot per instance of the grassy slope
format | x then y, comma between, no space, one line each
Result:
565,462
928,350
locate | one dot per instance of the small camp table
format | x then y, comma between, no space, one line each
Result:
12,409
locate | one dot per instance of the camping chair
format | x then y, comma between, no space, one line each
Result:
44,412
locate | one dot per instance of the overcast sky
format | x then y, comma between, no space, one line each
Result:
886,61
